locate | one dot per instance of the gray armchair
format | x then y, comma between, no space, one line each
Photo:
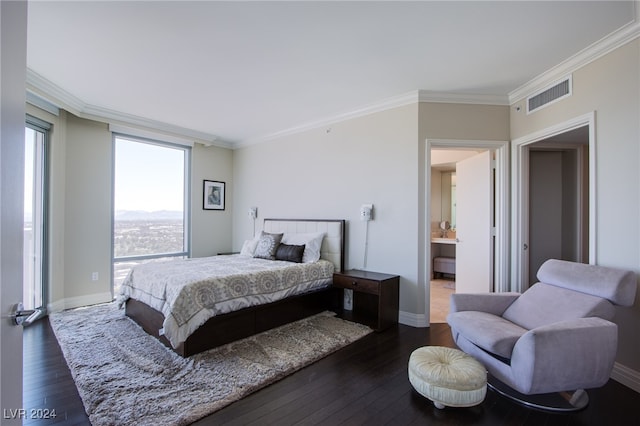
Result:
556,336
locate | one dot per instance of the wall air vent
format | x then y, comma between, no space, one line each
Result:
547,96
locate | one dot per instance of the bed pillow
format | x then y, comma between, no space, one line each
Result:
267,245
249,247
312,244
290,253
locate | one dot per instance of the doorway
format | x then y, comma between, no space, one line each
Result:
554,212
558,200
497,240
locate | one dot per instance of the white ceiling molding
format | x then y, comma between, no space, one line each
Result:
144,124
390,103
596,50
53,93
149,135
39,87
394,102
42,103
461,98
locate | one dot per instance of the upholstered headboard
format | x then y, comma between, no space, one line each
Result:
333,243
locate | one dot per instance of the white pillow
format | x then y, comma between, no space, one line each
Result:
249,247
312,244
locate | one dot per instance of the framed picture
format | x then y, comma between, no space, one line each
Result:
213,195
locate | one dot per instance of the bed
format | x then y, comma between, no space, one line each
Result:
171,301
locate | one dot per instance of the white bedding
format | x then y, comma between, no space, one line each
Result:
189,292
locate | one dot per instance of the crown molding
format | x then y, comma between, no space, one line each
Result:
394,102
462,98
605,45
409,98
153,126
52,94
42,103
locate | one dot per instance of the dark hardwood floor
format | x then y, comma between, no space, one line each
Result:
364,383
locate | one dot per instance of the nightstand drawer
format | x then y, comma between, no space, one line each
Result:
355,283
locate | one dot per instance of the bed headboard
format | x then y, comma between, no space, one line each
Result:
333,243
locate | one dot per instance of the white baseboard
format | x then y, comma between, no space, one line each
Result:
413,320
76,302
626,376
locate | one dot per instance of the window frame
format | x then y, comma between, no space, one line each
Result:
45,128
186,212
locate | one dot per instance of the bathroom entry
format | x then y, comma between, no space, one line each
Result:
500,250
462,197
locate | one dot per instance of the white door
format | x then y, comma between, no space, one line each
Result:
474,213
13,71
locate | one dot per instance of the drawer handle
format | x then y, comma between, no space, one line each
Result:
354,283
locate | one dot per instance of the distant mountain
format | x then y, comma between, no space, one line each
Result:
144,215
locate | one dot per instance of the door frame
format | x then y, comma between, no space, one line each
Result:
520,192
502,240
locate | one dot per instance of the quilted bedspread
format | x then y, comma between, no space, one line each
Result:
188,292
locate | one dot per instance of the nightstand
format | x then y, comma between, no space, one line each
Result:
375,297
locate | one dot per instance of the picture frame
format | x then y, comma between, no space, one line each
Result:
213,193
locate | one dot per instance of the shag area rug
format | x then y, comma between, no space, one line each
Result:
125,377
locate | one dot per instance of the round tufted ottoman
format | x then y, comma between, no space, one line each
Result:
448,377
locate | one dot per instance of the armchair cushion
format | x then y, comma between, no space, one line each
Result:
544,304
617,285
492,333
493,303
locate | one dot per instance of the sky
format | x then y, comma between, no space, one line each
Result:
148,177
29,138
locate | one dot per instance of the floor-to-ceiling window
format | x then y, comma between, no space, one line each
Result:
151,204
35,216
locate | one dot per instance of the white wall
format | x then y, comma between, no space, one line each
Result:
610,86
328,173
211,228
87,211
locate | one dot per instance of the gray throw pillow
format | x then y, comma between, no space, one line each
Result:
290,253
267,246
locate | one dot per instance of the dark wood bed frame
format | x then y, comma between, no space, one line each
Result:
226,328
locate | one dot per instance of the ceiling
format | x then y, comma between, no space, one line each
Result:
240,72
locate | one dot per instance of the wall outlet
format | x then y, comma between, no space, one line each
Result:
348,299
94,276
366,212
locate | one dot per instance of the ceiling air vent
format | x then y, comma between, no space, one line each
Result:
549,95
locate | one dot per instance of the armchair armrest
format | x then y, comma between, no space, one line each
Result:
492,303
576,354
